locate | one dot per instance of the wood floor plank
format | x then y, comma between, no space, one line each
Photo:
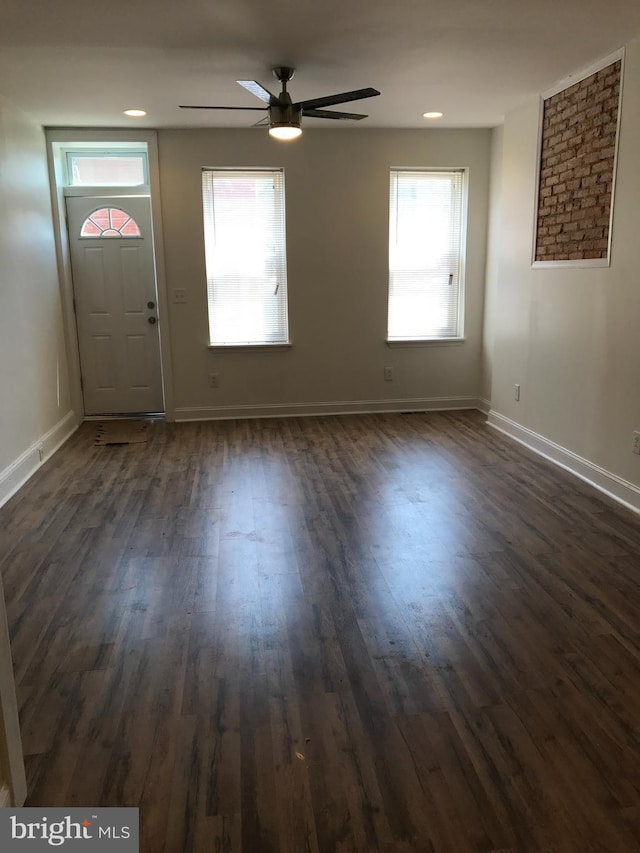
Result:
329,635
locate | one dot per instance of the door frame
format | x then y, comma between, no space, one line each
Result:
57,141
13,783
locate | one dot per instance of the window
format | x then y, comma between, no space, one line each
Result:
426,268
107,168
110,222
244,236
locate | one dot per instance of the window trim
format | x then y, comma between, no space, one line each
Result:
460,337
247,346
427,342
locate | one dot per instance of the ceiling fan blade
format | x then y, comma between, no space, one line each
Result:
331,114
199,107
342,98
256,89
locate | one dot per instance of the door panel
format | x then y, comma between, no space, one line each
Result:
95,284
139,369
134,290
102,362
114,281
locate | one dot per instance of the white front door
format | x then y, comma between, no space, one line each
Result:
111,244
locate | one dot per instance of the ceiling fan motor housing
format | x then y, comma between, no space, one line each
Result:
283,113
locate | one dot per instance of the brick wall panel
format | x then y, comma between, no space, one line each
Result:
576,168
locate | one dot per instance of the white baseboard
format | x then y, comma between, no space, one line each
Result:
484,405
605,481
20,470
346,407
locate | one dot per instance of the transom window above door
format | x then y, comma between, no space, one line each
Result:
110,222
109,168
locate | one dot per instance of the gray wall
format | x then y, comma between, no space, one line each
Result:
337,189
569,336
34,386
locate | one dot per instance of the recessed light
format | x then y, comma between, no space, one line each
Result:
135,113
434,114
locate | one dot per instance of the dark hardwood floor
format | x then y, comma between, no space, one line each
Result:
378,633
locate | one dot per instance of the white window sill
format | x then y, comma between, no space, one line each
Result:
246,347
428,342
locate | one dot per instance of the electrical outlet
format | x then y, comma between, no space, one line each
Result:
179,296
214,381
636,443
517,392
388,374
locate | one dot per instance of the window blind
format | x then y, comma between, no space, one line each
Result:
425,255
245,255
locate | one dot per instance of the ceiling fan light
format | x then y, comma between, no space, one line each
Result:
285,130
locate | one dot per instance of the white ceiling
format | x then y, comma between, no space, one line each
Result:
80,63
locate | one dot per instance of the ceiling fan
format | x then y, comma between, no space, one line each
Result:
284,118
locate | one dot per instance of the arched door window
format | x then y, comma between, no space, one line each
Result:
110,222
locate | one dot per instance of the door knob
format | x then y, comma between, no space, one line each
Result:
151,304
152,320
